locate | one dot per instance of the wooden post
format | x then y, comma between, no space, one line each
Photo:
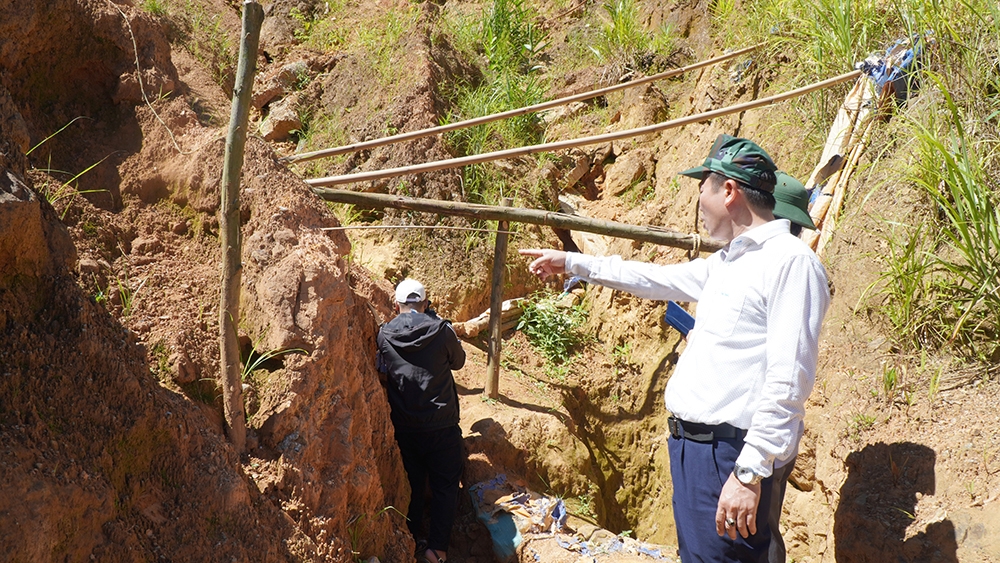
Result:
229,228
655,235
496,302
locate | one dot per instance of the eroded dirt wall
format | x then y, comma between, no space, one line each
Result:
106,397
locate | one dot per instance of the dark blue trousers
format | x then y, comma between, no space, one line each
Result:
698,471
432,458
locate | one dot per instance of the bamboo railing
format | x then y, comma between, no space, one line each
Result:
572,143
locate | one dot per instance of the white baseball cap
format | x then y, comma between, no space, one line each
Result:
410,291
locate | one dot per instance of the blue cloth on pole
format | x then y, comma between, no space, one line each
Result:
895,70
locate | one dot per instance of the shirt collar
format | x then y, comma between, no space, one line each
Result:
755,237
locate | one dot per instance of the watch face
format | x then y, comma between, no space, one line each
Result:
745,475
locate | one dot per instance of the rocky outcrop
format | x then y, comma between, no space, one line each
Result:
34,245
323,414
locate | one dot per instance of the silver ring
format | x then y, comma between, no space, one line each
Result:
730,522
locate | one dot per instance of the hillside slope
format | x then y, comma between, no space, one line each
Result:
109,410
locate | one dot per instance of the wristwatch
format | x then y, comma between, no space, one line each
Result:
747,475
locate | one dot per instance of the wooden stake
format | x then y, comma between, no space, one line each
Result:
229,229
496,303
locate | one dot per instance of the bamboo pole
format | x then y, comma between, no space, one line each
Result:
492,387
229,228
571,143
833,215
654,235
409,136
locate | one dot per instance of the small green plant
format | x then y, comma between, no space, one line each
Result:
257,360
125,292
552,330
155,7
357,528
640,192
557,372
511,41
891,378
909,286
585,506
970,487
721,10
861,422
100,295
68,188
935,385
160,367
324,32
623,354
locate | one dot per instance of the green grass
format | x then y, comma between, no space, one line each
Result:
511,40
202,33
377,40
322,32
624,44
956,168
380,41
155,7
905,285
511,45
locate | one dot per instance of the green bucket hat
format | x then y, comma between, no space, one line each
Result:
791,201
740,159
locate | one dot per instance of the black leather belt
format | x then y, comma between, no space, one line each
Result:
703,432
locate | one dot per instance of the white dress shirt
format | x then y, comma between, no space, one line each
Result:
751,358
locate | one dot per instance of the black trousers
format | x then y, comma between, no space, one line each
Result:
698,471
434,457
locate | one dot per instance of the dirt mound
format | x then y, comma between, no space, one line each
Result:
119,419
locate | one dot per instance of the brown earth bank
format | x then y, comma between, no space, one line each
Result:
110,416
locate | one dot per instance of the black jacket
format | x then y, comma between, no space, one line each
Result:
417,352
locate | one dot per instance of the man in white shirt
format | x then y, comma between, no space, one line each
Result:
738,392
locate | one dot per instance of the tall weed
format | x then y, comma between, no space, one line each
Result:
953,168
624,44
511,43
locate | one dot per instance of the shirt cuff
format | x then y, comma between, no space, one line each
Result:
751,459
578,264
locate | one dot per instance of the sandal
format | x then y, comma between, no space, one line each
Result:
423,557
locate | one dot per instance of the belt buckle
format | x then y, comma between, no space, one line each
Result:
675,428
